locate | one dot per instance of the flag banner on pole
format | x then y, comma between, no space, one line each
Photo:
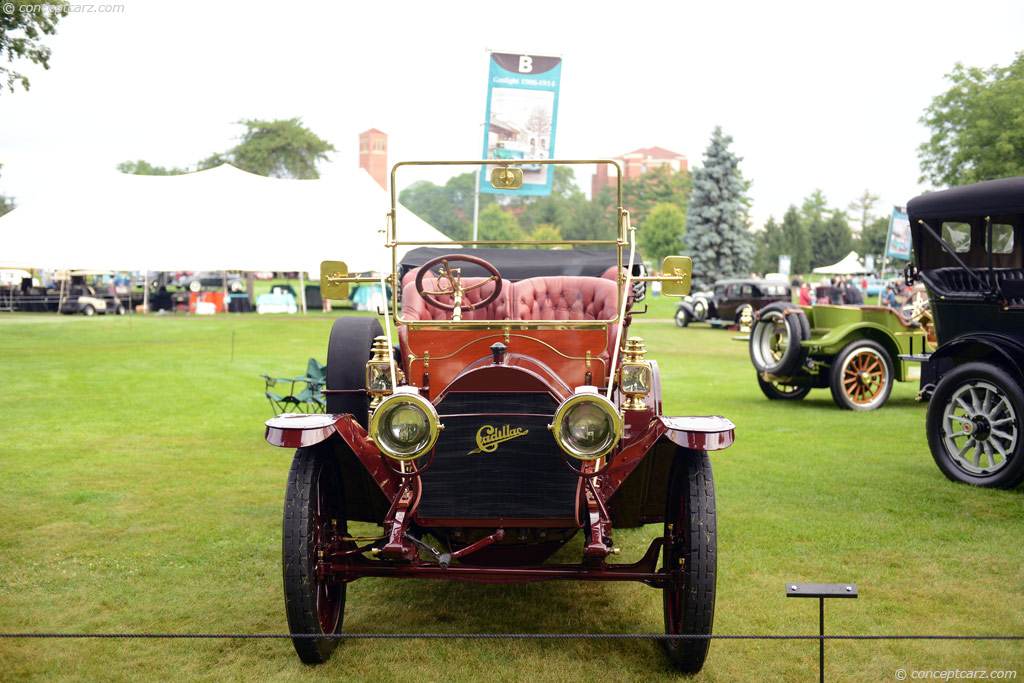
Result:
899,236
522,108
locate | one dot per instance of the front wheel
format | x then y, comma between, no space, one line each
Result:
862,376
690,559
974,426
682,317
314,512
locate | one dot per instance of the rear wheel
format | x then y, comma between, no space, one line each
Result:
350,347
690,558
778,391
314,511
88,309
862,376
974,426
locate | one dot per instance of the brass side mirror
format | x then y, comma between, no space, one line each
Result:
675,275
506,178
332,274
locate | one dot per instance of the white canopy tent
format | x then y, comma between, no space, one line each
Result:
219,219
850,265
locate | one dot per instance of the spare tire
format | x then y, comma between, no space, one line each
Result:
775,339
351,345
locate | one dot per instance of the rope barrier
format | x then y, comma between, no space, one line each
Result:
497,636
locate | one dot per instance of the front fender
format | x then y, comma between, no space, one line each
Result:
700,433
297,430
1006,350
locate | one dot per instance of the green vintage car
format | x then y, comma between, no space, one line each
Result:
856,351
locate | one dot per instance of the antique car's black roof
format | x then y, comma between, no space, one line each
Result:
992,197
519,264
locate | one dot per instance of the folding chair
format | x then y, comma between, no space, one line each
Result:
278,403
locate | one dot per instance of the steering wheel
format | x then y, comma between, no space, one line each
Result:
916,307
454,279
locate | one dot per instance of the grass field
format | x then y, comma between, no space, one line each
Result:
138,495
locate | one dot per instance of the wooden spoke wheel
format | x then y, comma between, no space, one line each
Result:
861,376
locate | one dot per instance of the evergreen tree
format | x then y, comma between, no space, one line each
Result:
872,240
717,235
836,239
770,245
796,241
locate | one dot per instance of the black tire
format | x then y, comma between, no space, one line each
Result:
775,339
778,391
350,347
313,509
120,310
996,426
861,377
683,317
88,310
689,601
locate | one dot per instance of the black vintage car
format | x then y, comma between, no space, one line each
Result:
725,305
967,246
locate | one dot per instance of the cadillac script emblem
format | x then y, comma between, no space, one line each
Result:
488,437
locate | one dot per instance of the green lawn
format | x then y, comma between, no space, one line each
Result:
138,495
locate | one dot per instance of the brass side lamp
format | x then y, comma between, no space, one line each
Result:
635,375
378,372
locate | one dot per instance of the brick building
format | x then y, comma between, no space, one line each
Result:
635,164
373,155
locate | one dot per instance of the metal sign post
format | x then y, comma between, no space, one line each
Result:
821,591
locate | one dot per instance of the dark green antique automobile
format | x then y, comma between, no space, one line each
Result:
856,351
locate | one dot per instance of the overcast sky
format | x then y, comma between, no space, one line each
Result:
815,94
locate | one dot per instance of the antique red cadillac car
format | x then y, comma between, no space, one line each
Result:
514,414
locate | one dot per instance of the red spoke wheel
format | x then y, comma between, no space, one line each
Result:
862,376
314,513
690,558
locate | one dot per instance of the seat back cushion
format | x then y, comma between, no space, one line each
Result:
564,297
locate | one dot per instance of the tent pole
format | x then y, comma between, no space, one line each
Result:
302,290
145,293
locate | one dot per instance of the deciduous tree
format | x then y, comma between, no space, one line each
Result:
278,149
661,233
977,126
142,167
22,25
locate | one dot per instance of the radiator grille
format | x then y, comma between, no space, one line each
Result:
522,476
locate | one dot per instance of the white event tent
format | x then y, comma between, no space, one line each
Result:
220,219
850,265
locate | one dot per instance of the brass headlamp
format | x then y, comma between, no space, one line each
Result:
635,375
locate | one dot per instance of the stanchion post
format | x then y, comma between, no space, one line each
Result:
821,591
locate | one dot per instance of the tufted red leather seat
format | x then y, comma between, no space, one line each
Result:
566,297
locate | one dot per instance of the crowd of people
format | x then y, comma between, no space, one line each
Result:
842,289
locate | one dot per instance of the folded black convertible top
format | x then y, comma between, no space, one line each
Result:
519,264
